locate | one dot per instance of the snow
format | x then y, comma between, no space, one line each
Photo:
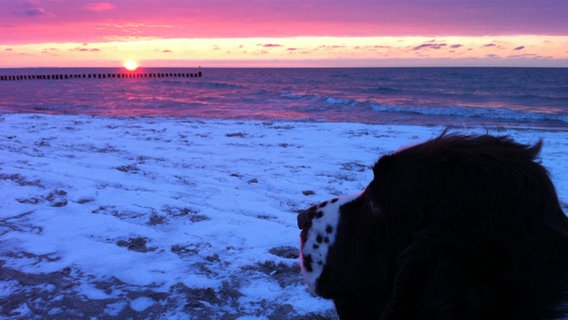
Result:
141,304
180,218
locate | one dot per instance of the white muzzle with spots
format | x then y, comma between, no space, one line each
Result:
319,229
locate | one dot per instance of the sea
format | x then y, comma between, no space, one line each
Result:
535,98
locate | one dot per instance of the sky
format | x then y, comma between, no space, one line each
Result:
283,33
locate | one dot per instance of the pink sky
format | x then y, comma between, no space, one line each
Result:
284,32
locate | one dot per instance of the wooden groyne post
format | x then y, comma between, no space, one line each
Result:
118,75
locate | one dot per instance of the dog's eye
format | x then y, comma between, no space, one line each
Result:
373,207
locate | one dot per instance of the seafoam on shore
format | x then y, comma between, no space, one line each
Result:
180,218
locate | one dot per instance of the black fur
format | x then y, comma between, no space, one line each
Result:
458,227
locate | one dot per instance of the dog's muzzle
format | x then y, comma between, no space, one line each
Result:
319,225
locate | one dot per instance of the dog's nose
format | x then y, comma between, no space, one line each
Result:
303,219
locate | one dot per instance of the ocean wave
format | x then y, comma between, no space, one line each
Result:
487,114
206,85
324,99
292,96
384,90
317,104
560,100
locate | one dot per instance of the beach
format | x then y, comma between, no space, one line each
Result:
181,218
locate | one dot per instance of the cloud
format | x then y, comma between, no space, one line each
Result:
271,45
330,47
167,51
99,6
523,56
519,48
490,45
435,46
84,48
50,51
32,12
455,46
9,49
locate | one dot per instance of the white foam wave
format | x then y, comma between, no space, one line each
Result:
496,114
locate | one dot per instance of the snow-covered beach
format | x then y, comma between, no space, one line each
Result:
163,218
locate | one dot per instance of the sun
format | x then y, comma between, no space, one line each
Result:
130,65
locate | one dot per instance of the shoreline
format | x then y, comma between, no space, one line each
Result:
495,127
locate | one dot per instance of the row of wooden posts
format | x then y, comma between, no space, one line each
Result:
100,76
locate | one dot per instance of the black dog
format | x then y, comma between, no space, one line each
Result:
458,227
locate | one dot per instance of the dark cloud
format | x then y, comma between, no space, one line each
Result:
292,49
28,9
50,51
34,12
271,45
519,48
85,49
490,45
430,46
167,51
327,47
524,56
455,46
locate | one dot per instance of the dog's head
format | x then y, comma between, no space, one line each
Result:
456,226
